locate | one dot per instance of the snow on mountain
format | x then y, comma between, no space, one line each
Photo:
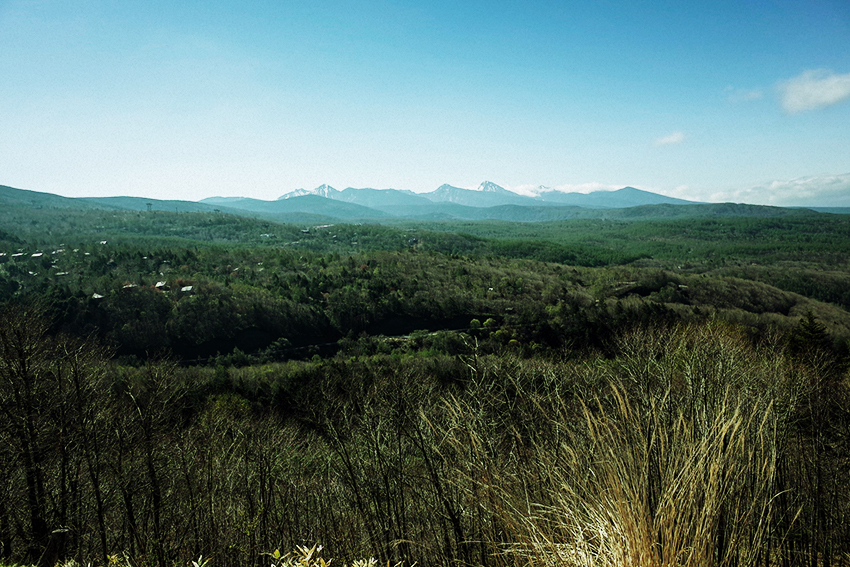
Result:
490,187
446,188
489,194
446,193
324,190
296,193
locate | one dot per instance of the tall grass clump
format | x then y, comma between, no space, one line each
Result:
665,455
637,491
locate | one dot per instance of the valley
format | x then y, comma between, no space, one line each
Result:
233,377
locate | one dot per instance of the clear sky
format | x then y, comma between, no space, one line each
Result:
740,100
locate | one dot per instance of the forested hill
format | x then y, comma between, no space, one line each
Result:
199,284
180,384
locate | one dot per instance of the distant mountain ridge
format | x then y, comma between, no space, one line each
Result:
489,201
489,194
447,202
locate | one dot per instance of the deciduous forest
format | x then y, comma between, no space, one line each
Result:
634,390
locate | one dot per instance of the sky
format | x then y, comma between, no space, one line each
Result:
743,101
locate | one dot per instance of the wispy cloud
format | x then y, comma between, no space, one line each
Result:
532,190
823,190
814,89
589,187
671,138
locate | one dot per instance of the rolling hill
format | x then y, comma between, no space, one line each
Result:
447,203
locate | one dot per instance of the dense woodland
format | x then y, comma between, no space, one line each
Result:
637,390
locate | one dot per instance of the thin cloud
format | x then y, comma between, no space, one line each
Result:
814,89
671,138
824,191
533,190
589,187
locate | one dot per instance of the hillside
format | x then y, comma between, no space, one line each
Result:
326,204
431,391
714,251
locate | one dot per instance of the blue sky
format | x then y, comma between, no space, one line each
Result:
715,101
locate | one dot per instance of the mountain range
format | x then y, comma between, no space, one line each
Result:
488,201
446,203
488,194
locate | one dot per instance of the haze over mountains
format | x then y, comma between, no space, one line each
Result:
446,203
489,194
488,201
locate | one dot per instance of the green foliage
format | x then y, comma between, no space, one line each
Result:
197,303
452,450
432,393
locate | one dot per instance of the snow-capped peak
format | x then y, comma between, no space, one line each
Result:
490,187
322,191
296,193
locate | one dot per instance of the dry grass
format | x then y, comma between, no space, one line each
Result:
673,464
687,445
643,493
